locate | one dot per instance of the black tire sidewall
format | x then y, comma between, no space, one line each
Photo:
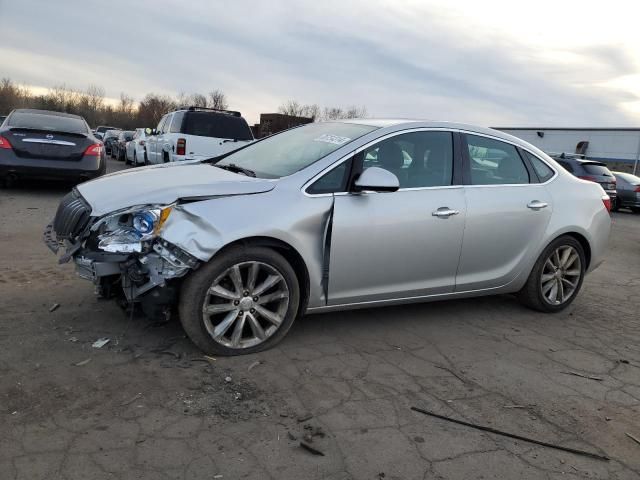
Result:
194,288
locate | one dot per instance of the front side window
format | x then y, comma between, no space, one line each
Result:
333,181
167,123
292,150
493,162
543,170
418,159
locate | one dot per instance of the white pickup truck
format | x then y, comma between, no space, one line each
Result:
195,133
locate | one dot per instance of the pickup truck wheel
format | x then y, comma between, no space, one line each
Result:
135,159
556,277
165,157
241,302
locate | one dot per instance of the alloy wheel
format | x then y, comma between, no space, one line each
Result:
245,305
561,275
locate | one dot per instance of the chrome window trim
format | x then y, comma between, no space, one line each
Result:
346,157
555,172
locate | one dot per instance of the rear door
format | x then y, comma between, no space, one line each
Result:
508,210
152,143
387,246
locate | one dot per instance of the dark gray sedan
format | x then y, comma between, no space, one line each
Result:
45,144
628,188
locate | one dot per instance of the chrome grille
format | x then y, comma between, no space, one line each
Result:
72,216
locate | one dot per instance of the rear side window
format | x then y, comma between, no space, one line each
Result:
495,163
218,125
566,165
176,125
42,121
596,169
543,171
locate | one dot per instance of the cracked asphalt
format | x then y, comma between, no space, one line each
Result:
149,405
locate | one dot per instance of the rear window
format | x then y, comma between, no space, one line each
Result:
217,125
632,179
42,121
596,169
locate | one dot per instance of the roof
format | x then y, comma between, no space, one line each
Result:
46,112
574,129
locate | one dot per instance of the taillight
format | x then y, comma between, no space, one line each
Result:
181,146
587,177
142,142
4,143
607,202
94,150
637,189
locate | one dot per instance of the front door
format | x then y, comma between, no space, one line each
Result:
401,244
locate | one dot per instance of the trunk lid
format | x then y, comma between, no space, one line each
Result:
47,144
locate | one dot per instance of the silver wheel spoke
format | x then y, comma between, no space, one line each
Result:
565,257
273,296
553,293
556,259
222,292
237,332
267,284
224,325
253,275
236,278
572,273
571,260
571,284
547,276
547,286
219,308
256,328
560,297
270,316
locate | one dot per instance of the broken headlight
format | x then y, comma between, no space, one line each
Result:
126,231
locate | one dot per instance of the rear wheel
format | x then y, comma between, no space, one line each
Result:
635,209
241,302
135,159
556,277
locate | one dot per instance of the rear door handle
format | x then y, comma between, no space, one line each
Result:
444,212
537,205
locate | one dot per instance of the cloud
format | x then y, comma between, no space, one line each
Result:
400,59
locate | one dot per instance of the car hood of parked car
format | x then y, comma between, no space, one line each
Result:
164,184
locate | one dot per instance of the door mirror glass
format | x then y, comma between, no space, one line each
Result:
376,179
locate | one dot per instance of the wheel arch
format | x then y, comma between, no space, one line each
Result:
288,252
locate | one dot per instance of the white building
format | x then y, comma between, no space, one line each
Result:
604,144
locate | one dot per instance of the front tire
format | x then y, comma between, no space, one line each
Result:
556,277
241,302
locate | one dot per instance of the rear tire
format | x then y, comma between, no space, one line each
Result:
635,209
246,317
554,281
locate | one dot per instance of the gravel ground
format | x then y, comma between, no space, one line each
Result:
148,404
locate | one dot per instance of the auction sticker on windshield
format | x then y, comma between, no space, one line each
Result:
335,139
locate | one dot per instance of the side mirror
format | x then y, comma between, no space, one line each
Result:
376,179
149,131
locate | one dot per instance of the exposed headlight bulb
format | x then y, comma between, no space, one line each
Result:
145,222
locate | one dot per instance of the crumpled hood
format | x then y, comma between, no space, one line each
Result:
164,184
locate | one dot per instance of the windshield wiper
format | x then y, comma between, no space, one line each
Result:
232,167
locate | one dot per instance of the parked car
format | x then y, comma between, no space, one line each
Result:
590,170
330,216
102,129
628,189
45,144
110,137
195,133
119,147
136,151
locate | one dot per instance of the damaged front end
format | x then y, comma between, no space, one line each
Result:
121,252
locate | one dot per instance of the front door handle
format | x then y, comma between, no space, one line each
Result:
537,205
444,212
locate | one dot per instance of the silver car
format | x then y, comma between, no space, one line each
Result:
333,216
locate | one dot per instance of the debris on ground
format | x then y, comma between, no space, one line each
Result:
253,365
211,359
54,307
83,362
578,374
131,400
512,435
101,342
73,339
310,449
635,439
291,436
304,418
228,379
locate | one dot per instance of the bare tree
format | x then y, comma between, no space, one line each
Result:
296,109
198,100
217,99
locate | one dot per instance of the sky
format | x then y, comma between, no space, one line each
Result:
492,63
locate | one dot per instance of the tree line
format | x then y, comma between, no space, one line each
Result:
128,114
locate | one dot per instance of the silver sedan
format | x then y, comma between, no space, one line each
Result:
332,216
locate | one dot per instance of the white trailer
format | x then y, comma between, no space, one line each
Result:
609,145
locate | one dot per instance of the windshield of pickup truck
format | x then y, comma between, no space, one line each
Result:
295,149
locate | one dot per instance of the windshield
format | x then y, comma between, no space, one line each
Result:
42,121
295,149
